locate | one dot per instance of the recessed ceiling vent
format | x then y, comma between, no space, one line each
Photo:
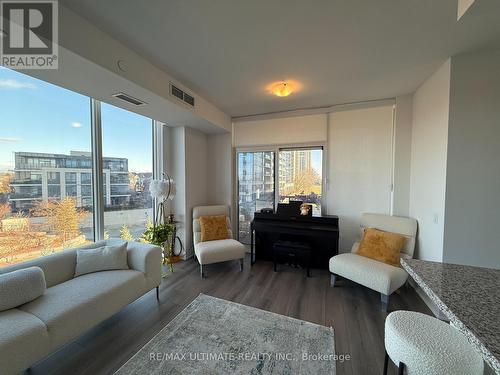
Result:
181,95
128,98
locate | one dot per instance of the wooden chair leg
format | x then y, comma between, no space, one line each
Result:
386,362
157,293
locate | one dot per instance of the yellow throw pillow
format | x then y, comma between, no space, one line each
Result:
382,246
213,228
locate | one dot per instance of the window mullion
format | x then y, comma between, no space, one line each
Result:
97,173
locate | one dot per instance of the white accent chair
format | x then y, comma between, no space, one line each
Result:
373,274
219,250
420,344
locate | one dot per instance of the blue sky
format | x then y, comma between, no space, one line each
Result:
39,117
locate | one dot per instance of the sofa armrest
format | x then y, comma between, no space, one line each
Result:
145,258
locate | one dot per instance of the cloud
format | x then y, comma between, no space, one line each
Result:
76,125
15,84
10,139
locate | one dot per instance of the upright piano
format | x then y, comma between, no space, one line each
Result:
321,233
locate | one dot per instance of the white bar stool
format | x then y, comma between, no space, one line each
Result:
420,344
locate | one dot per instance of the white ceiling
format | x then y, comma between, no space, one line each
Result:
342,51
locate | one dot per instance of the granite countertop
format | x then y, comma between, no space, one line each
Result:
469,297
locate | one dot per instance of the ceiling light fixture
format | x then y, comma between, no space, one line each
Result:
282,89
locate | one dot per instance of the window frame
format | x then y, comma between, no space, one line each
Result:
323,171
98,179
276,148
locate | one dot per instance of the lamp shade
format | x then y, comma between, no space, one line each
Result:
162,189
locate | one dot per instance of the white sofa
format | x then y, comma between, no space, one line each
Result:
71,305
373,274
209,252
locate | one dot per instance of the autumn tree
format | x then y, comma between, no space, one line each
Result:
125,234
133,180
4,210
304,183
15,243
5,179
62,217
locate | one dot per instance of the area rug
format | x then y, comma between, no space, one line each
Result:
214,336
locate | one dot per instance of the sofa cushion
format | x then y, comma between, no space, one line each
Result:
103,258
23,340
70,308
219,251
58,267
21,286
373,274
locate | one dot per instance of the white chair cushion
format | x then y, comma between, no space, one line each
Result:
428,346
373,274
24,339
219,251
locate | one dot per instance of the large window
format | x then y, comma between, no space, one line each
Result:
41,127
46,170
128,168
300,176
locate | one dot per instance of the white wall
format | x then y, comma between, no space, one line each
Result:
196,179
220,169
402,155
175,147
428,162
288,130
359,163
471,233
201,167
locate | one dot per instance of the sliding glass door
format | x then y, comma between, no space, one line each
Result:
255,187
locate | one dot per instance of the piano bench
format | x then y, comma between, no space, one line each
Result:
295,252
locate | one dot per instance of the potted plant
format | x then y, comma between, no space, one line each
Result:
161,235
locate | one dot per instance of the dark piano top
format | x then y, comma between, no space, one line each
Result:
331,221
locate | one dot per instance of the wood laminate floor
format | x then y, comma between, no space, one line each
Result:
353,311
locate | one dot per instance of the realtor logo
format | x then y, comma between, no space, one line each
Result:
29,34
